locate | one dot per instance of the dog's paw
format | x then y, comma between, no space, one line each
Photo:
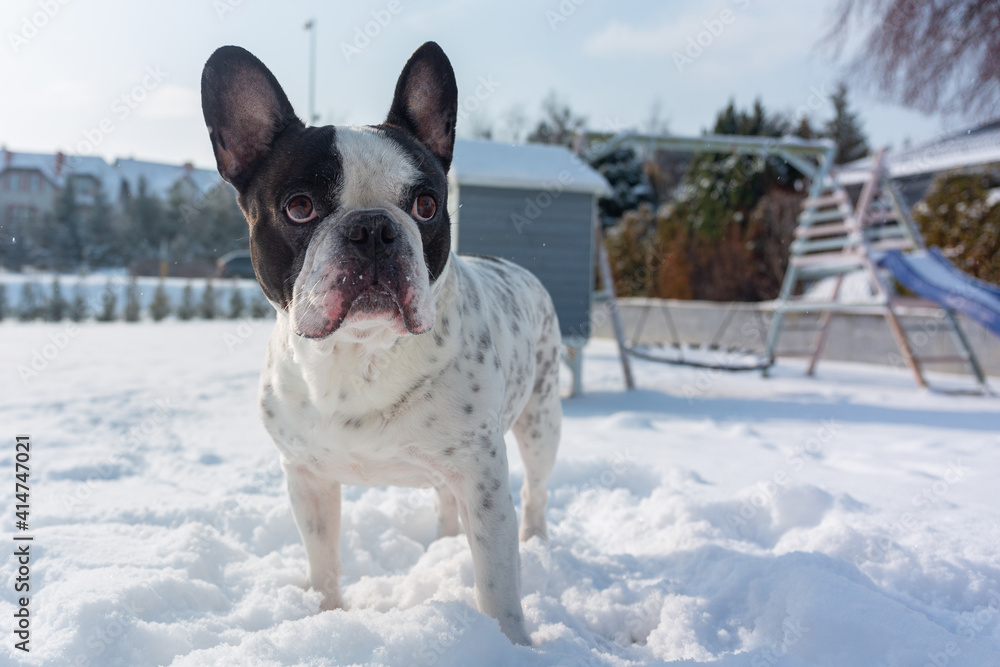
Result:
331,602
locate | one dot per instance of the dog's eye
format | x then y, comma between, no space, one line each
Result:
300,209
424,207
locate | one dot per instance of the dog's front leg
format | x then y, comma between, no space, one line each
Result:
316,508
491,526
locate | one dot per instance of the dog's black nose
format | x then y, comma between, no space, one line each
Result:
373,234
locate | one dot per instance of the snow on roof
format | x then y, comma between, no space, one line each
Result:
55,167
529,166
980,145
161,178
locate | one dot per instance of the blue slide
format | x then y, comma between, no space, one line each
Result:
929,274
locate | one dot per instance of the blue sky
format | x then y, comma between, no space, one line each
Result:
120,79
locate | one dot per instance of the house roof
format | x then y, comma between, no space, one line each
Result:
968,148
56,167
160,178
528,166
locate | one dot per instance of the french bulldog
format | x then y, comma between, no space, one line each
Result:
393,361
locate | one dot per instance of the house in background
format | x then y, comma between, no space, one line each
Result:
30,182
914,169
163,180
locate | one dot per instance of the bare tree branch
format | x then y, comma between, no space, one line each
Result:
930,55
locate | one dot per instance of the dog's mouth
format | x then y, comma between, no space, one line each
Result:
373,306
375,302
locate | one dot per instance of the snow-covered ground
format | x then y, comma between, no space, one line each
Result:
849,520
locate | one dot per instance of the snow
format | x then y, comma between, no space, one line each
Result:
526,166
849,519
978,146
92,288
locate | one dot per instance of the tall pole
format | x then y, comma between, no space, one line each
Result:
311,27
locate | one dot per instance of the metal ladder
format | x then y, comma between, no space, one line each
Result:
834,239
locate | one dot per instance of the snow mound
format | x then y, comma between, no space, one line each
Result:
842,521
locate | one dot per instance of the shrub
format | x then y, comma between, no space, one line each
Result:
79,309
28,308
208,309
57,305
961,215
237,304
160,307
133,308
109,303
186,310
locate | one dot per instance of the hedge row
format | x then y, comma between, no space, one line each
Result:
36,303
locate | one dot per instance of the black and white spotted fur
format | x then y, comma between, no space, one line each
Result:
392,361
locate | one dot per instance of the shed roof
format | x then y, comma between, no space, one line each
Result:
528,166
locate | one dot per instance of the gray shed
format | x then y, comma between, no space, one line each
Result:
537,206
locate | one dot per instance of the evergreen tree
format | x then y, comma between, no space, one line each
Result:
723,188
629,183
208,309
845,129
79,310
109,303
3,302
100,244
160,307
147,223
133,308
53,242
57,305
237,304
29,307
186,310
805,129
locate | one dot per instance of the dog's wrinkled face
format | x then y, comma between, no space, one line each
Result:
348,225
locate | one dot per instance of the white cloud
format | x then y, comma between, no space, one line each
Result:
172,101
621,39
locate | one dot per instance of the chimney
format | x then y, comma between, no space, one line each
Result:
188,168
7,157
60,161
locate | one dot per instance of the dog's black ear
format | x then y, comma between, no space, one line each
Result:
245,109
426,101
